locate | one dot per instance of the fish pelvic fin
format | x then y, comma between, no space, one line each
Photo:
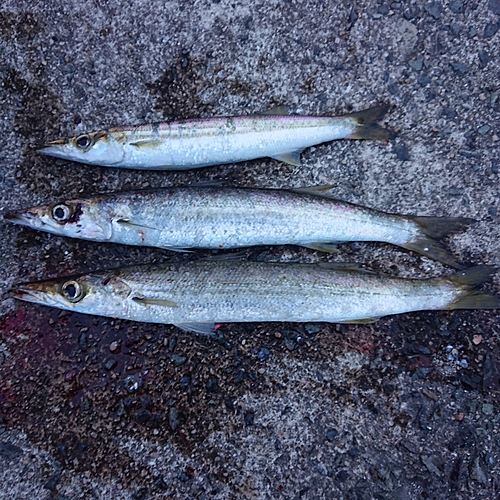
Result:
431,230
468,280
367,126
291,157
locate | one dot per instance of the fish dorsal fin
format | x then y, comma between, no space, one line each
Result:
276,111
203,328
291,157
224,257
360,321
145,301
322,247
324,191
146,144
351,267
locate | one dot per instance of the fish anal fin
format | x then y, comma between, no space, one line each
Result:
360,321
324,191
146,144
203,328
276,111
322,247
290,157
145,301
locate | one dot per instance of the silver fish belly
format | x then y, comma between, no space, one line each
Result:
200,143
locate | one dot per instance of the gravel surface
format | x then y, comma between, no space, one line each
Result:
408,407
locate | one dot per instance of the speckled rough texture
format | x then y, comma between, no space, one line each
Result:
407,407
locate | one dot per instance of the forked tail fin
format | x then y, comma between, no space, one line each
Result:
367,124
432,229
467,281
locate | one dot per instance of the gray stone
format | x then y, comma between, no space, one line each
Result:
416,64
434,9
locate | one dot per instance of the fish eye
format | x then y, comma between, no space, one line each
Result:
61,213
72,291
83,141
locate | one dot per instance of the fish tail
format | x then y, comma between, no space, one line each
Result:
467,281
367,126
431,230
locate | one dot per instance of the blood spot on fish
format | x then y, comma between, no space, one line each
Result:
106,280
75,216
142,235
221,245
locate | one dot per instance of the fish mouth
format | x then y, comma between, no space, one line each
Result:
29,293
55,149
21,218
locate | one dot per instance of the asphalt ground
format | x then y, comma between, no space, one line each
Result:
407,407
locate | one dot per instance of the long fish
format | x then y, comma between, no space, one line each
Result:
198,294
197,143
223,218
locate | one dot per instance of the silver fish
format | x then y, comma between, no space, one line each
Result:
202,142
198,294
222,218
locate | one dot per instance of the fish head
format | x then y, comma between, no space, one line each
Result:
102,294
104,148
85,219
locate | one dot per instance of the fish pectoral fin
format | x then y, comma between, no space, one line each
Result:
147,144
322,247
324,191
351,267
360,321
145,301
276,111
128,222
203,328
291,157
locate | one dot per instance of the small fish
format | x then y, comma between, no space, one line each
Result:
211,141
199,294
224,218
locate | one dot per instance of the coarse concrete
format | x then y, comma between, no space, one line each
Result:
405,408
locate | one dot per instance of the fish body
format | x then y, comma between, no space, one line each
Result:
225,218
207,292
202,142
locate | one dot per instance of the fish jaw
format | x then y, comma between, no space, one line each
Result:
33,218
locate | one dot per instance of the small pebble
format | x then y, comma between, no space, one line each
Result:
434,9
456,6
490,30
459,417
484,129
494,6
488,409
429,394
416,64
178,359
331,434
143,416
114,346
173,418
484,57
402,152
476,340
249,418
459,68
423,80
110,364
263,354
